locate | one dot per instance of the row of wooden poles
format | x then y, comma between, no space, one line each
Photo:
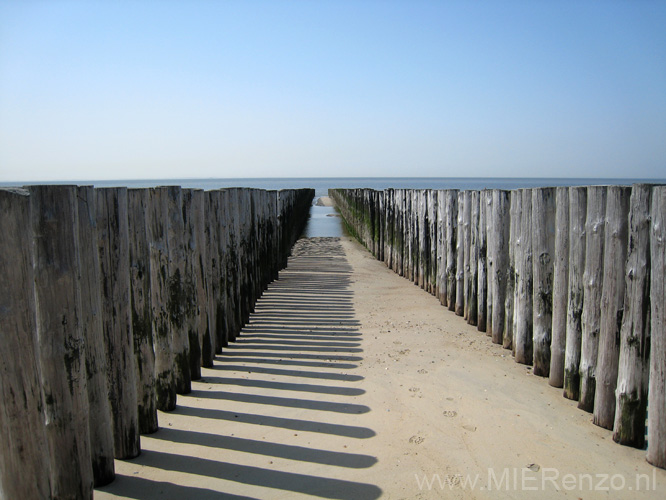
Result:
111,302
570,279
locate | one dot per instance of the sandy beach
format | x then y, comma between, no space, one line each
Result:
324,201
350,382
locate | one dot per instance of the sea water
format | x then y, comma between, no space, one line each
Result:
323,220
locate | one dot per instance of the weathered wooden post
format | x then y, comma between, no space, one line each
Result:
61,342
246,266
576,291
441,246
451,246
201,234
213,271
99,418
400,232
516,224
177,302
460,254
634,362
25,467
141,309
612,304
490,267
227,309
472,292
432,238
165,384
113,248
656,452
510,296
412,234
543,255
466,246
482,285
193,226
424,242
275,234
560,287
500,223
523,333
592,279
380,224
388,227
232,264
241,271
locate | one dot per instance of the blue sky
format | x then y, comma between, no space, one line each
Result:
168,89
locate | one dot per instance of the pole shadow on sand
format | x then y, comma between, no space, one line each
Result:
279,412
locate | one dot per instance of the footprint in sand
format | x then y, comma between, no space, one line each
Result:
416,439
414,389
450,413
423,371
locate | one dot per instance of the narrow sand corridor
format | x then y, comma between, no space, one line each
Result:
351,383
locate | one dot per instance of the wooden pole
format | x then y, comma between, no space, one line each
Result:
380,224
634,362
490,268
415,234
441,246
99,419
113,248
165,385
592,279
466,247
388,223
500,222
410,233
451,246
656,452
576,291
482,285
242,268
543,255
424,242
226,297
221,320
560,287
141,309
274,237
200,220
178,290
400,230
432,238
25,467
192,222
516,224
61,342
460,254
612,304
212,272
510,298
523,333
232,265
472,294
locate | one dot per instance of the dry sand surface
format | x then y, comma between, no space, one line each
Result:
349,382
324,201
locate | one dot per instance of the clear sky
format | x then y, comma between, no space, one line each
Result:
319,88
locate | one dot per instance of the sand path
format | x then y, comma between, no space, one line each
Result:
351,383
